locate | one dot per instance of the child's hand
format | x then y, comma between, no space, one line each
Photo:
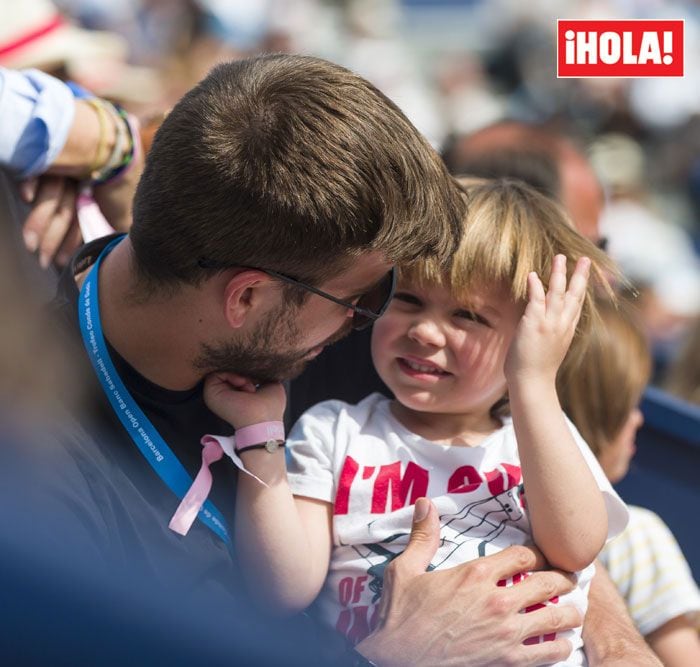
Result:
237,400
548,324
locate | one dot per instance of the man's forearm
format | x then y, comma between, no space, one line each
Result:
609,635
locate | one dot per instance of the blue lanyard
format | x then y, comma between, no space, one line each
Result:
154,449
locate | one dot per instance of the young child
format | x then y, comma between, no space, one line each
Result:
645,562
471,358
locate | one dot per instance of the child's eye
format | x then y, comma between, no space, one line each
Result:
407,298
471,316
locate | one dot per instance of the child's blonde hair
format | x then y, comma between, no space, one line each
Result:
600,393
509,230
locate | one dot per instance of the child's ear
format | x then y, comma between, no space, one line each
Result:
244,293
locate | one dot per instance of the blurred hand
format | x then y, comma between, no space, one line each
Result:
51,228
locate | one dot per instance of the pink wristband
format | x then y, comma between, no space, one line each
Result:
263,432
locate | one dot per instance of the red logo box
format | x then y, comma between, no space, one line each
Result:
620,48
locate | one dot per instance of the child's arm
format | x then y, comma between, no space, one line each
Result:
566,507
283,543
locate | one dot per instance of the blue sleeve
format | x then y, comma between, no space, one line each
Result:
36,114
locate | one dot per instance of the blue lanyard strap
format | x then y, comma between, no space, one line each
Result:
150,443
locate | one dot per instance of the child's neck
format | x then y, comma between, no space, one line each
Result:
450,429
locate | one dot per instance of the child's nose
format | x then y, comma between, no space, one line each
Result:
427,332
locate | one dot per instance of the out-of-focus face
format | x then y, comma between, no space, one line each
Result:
442,356
581,194
616,456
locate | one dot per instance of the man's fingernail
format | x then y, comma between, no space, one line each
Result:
44,261
420,511
31,240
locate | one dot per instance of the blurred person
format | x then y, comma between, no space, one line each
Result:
601,395
463,84
653,252
35,34
373,47
683,376
257,236
58,143
471,354
544,158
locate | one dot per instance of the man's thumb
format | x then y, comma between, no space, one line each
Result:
425,537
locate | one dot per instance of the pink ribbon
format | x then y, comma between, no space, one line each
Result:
188,509
93,224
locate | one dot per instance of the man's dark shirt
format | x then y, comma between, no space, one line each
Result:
139,519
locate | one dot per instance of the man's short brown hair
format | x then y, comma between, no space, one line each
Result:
289,163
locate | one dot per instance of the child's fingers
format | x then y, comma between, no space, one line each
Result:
579,278
577,287
271,389
557,285
536,295
236,381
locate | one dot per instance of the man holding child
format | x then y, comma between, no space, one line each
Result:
277,197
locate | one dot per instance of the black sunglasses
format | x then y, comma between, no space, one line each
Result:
370,306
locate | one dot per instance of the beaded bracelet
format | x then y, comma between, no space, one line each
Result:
120,159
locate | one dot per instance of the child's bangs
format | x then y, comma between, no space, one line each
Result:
503,241
425,273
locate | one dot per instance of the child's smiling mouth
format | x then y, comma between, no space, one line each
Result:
420,368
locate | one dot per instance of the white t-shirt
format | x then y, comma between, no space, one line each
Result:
651,573
372,469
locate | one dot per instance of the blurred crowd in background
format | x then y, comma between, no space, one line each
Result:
454,67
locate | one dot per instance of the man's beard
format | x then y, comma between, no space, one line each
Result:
257,357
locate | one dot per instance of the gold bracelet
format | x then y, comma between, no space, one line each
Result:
122,143
98,160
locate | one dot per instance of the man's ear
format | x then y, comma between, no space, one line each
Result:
244,293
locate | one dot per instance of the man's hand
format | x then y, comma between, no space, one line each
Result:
237,400
460,616
51,228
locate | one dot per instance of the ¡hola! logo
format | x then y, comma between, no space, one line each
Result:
619,48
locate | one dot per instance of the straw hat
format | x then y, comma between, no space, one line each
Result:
33,33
